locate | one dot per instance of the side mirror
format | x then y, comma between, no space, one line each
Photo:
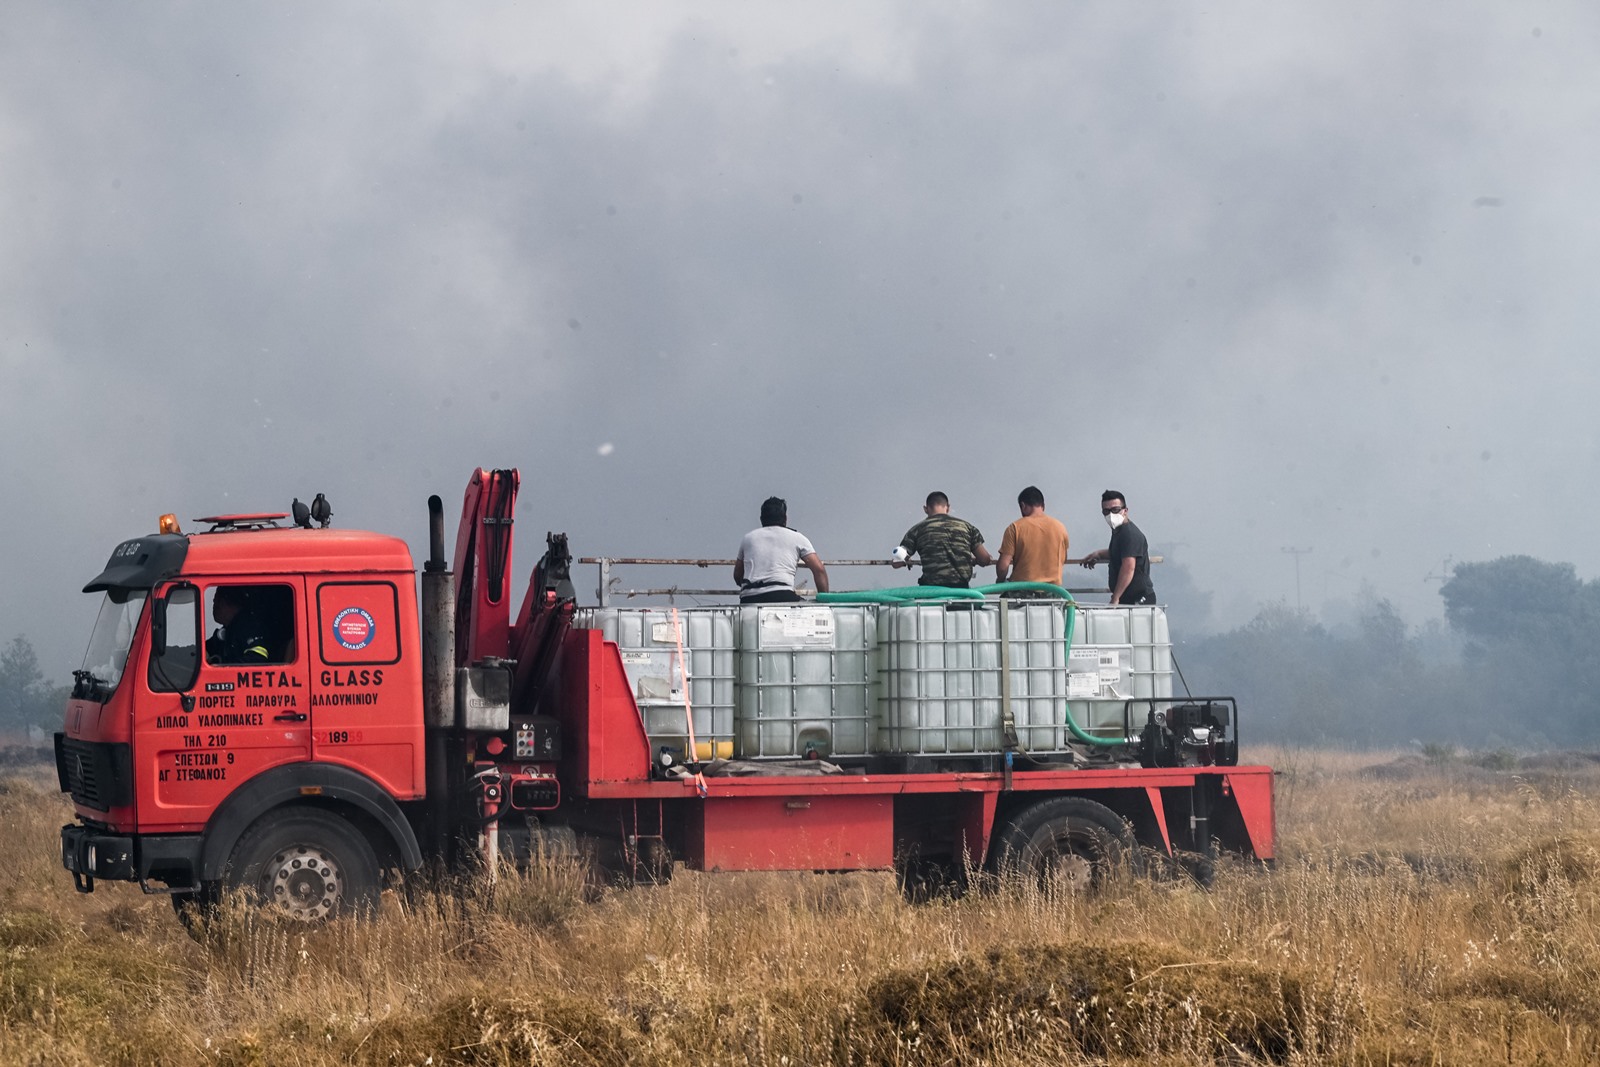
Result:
158,627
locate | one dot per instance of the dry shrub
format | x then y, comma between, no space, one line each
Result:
83,994
1567,858
1554,995
1090,1000
29,929
549,893
489,1027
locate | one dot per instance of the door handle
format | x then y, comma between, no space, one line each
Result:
290,716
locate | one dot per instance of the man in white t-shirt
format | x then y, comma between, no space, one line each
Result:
764,568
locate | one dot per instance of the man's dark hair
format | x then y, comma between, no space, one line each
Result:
774,511
937,499
231,594
1113,494
1031,497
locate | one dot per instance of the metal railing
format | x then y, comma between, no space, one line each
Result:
609,585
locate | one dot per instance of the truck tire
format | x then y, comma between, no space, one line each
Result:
307,864
1064,843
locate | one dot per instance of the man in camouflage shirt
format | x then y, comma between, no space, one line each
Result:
947,546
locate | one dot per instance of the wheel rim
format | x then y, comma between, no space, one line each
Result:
306,883
1070,862
1065,869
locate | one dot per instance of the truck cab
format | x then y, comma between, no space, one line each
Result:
230,672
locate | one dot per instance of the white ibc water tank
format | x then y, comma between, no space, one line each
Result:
942,679
649,640
943,686
941,689
805,680
1122,667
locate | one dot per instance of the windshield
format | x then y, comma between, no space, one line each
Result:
108,645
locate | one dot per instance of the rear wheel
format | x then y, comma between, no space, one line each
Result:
305,864
1067,844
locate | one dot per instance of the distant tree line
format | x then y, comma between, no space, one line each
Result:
28,703
1522,669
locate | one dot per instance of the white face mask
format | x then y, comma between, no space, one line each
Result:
1115,519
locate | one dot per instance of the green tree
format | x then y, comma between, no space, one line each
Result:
1516,597
1282,669
1367,684
1529,657
1527,674
22,688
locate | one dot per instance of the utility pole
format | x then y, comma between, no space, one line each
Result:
1297,553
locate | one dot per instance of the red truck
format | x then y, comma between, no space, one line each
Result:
333,734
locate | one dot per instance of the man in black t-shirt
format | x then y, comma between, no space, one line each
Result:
1129,554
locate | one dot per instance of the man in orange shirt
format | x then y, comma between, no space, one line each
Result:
1036,543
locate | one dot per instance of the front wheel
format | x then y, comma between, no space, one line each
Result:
306,864
1067,844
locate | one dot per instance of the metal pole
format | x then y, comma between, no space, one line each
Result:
1297,553
604,594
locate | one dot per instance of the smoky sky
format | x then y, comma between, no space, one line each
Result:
1291,276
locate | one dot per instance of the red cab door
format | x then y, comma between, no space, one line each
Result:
248,709
366,696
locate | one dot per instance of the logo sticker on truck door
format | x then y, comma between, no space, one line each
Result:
354,629
358,623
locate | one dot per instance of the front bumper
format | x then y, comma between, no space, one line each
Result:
90,854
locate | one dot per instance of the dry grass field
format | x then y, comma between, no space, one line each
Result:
1423,910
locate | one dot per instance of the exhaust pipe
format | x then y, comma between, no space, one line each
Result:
438,626
438,677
